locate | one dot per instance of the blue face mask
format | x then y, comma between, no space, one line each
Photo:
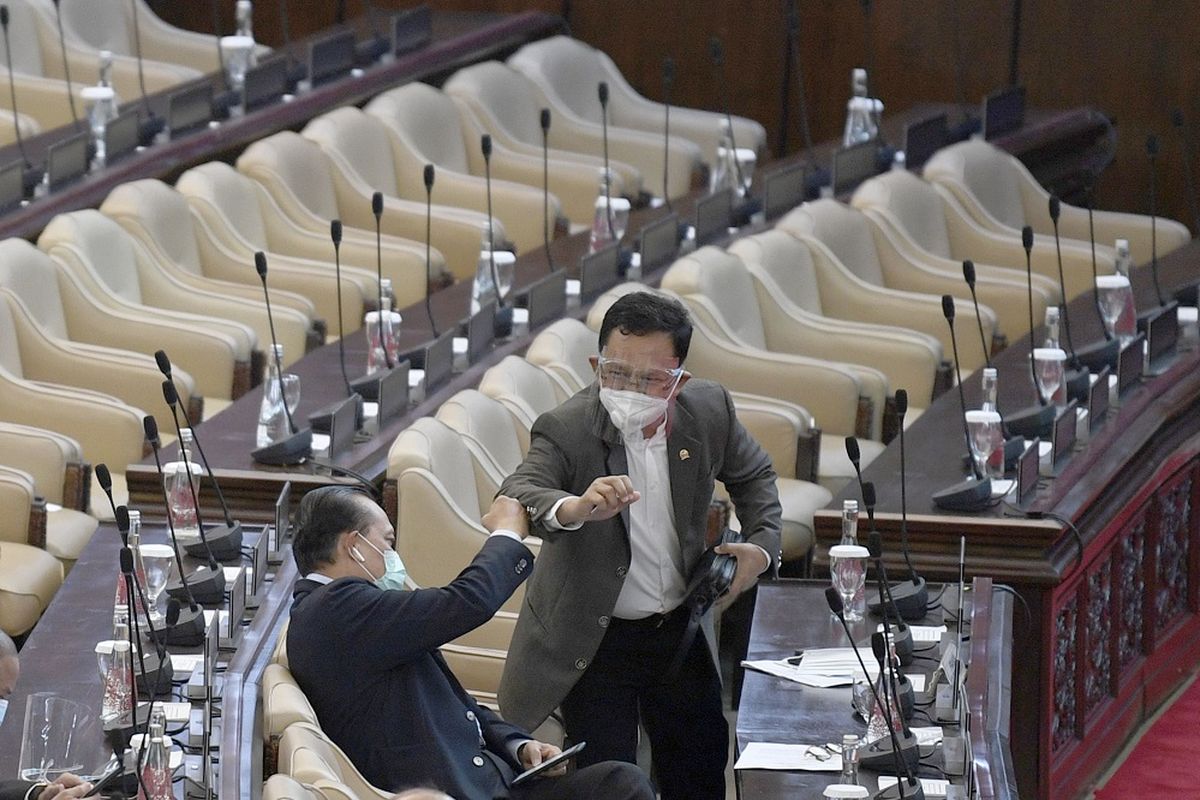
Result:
394,572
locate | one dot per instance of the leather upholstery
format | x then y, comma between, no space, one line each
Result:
308,755
284,787
487,429
526,390
45,455
29,576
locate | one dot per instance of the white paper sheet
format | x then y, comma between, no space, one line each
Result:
931,786
769,755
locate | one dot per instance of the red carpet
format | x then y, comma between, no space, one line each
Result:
1166,762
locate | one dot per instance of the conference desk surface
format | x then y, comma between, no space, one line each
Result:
251,488
792,615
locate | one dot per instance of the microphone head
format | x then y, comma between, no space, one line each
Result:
151,428
948,307
122,515
875,544
668,70
868,493
164,363
104,477
335,231
602,89
969,272
1027,238
544,119
377,204
1055,208
879,646
169,393
4,15
173,609
1151,142
485,144
852,449
901,403
428,176
126,561
834,598
260,264
716,50
1177,118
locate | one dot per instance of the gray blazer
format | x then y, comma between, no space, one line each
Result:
579,574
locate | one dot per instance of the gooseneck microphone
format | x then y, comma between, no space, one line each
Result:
62,48
155,672
910,595
886,607
974,493
208,588
30,176
335,236
503,323
377,212
321,420
854,454
1188,178
602,92
428,175
668,79
224,544
104,478
1092,240
1094,356
716,52
296,70
152,125
1152,154
1027,243
1055,207
544,122
297,447
969,277
907,786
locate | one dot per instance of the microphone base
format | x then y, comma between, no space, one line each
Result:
906,695
1078,384
224,541
1101,354
188,631
1013,448
156,680
368,52
31,178
912,600
118,732
149,129
502,325
902,791
973,494
745,210
207,587
815,178
1189,295
1032,422
321,421
879,755
295,449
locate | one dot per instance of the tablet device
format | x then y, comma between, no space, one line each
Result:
548,764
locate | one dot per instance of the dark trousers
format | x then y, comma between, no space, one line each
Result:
611,780
628,680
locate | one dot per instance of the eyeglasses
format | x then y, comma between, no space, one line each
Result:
615,374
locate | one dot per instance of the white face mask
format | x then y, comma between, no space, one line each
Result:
3,708
632,411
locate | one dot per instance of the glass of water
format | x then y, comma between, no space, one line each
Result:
1113,291
157,559
848,569
984,430
1049,365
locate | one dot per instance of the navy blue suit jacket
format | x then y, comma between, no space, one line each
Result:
367,659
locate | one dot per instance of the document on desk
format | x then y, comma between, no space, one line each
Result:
769,755
931,786
923,634
820,667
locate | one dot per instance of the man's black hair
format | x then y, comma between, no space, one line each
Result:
326,513
640,313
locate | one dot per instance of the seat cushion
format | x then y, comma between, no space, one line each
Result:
67,533
29,577
799,499
836,469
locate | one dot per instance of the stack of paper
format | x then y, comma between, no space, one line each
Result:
769,755
821,667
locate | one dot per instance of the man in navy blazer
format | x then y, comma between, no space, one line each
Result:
365,653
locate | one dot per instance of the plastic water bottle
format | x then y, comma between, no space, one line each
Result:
182,479
272,415
990,386
611,216
156,766
117,701
862,112
483,289
1126,327
725,170
850,536
245,25
849,759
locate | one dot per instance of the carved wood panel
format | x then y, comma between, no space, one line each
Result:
1172,554
1062,723
1098,667
1132,590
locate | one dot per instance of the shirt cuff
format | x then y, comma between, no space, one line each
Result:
35,790
550,520
514,749
765,553
506,533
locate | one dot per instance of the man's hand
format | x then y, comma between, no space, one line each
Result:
66,785
605,498
506,514
751,562
534,752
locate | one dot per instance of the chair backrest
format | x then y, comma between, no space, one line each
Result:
98,243
362,143
25,46
427,120
32,276
158,215
431,445
525,389
565,68
504,94
307,755
909,203
283,702
231,194
488,430
287,163
10,345
786,261
101,24
713,275
986,172
844,230
564,349
285,787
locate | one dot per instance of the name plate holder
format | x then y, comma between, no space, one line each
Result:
714,216
258,571
189,109
1062,440
12,187
1027,471
658,242
783,190
66,161
331,57
231,622
412,29
393,394
342,426
265,83
277,534
1003,111
437,360
481,332
1130,364
854,164
1162,334
598,272
546,300
1098,401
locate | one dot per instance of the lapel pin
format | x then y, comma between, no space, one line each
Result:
684,455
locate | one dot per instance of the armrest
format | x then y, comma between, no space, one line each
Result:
1112,225
777,426
23,510
55,462
641,150
518,207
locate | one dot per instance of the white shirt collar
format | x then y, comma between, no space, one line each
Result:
318,577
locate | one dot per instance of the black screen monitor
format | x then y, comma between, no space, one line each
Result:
189,109
659,242
852,165
412,29
67,160
1003,111
331,56
924,138
266,83
12,189
121,136
714,215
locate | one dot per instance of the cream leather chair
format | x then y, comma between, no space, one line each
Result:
68,340
526,390
487,429
932,226
503,102
283,787
424,122
301,181
575,68
571,95
874,280
161,219
283,704
55,465
117,268
100,260
1000,194
29,576
310,757
363,161
234,203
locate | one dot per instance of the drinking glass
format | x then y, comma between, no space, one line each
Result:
1049,365
291,391
1113,290
158,559
236,51
848,569
60,735
984,430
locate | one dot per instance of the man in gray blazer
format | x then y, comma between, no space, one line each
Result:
618,482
